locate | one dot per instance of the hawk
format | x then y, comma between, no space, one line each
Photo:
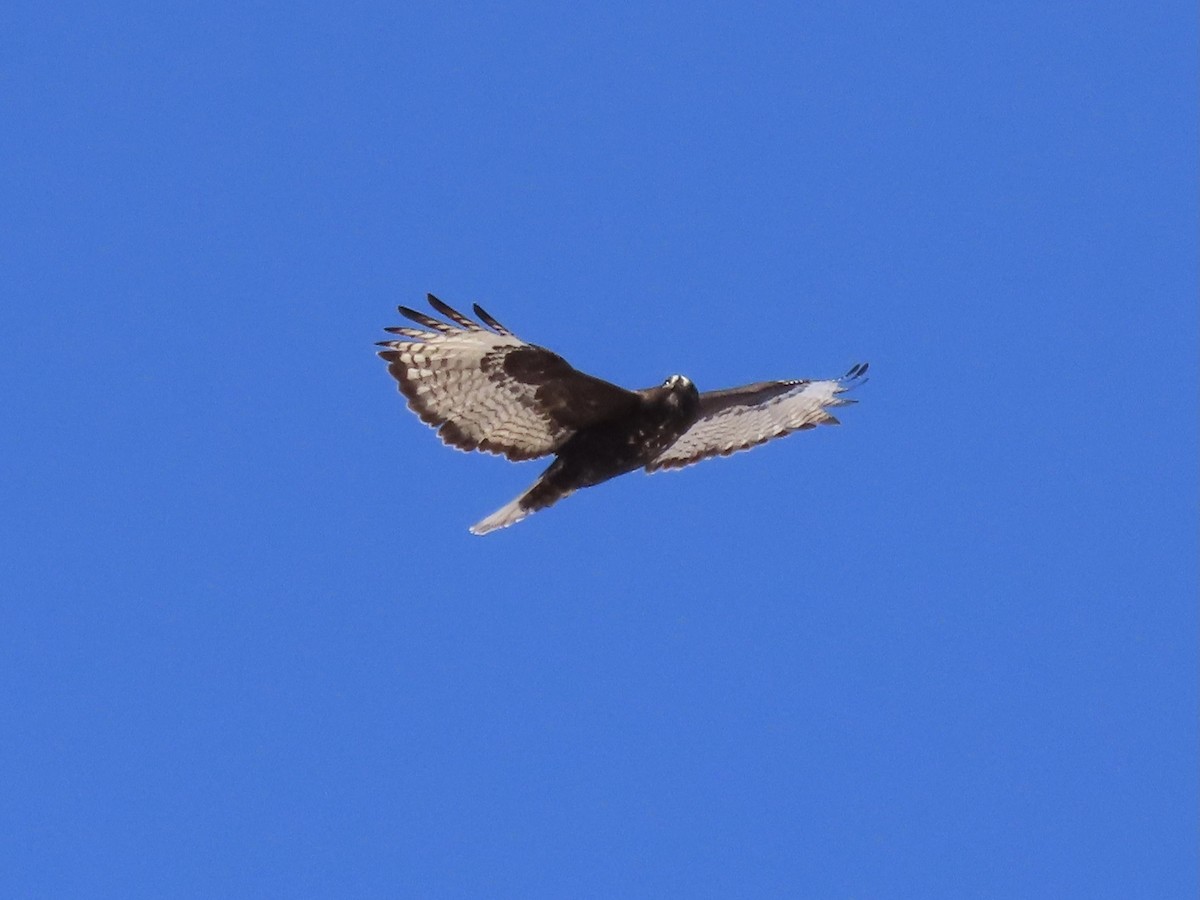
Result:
483,388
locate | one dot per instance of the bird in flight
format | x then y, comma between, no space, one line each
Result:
483,388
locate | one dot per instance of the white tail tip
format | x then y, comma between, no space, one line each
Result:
509,514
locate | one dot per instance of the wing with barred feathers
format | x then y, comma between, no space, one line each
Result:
743,417
486,389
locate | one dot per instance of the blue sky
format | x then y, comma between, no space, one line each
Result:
946,650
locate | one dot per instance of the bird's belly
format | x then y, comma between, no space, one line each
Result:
600,454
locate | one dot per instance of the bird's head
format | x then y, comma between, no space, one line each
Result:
682,392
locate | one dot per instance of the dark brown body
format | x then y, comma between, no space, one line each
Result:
608,449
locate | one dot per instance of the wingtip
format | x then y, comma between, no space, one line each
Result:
489,320
441,306
856,377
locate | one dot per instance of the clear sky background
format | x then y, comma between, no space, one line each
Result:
946,650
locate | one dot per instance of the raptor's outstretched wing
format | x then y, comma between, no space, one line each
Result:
486,389
743,417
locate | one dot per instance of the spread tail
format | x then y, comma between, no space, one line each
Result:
544,492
